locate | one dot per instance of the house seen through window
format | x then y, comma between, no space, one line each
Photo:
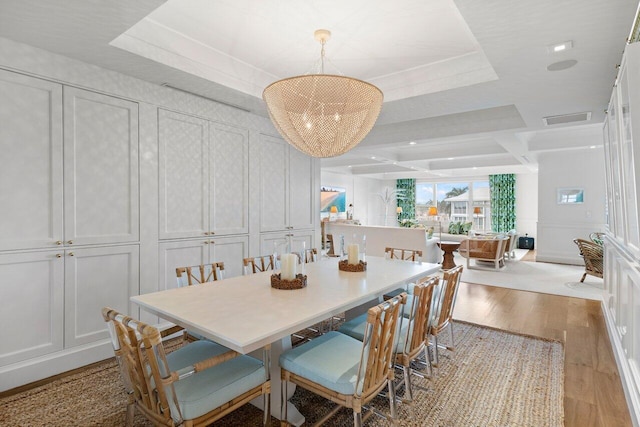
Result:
456,201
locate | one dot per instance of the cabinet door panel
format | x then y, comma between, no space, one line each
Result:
301,190
277,243
231,251
101,168
627,162
184,175
32,291
180,254
31,146
634,359
97,278
229,179
274,203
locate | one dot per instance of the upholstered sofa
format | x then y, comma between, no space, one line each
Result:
444,226
486,251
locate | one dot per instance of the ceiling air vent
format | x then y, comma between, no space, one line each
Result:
567,118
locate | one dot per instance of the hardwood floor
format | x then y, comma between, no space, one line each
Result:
593,391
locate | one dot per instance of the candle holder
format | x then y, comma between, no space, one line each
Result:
298,283
345,266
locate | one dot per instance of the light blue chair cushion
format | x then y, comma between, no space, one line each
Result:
355,329
330,360
213,387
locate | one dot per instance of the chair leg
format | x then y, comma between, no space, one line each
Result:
266,404
357,419
392,399
283,403
436,360
453,343
130,413
427,360
584,276
408,393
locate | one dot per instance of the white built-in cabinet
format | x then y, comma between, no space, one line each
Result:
622,244
71,206
180,253
204,177
287,194
69,222
204,194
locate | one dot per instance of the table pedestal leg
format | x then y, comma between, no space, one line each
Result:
294,416
447,261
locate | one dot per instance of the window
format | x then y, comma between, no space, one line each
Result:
456,201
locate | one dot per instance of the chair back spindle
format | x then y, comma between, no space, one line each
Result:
403,254
194,275
259,264
379,346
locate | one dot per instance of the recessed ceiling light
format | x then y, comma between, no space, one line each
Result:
395,163
593,146
560,47
373,157
412,143
475,167
349,166
450,158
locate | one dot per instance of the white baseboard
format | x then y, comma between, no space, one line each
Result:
28,371
557,259
631,392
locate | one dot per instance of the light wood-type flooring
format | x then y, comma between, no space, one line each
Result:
593,391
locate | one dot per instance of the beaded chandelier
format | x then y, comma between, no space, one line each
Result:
323,115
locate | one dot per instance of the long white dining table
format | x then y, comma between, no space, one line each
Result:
245,313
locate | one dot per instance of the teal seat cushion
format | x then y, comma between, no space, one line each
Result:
355,328
330,360
213,387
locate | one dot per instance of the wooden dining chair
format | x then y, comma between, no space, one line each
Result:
194,275
345,370
332,250
194,385
443,310
197,274
310,255
412,343
258,264
403,254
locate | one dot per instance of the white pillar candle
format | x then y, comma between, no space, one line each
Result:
288,266
352,254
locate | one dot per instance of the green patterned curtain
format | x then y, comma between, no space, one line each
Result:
503,202
407,197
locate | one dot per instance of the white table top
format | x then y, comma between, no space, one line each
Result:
245,313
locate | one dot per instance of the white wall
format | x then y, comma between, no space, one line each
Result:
527,204
559,224
367,206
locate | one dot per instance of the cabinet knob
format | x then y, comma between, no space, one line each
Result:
212,242
59,242
206,242
71,254
58,256
70,242
206,233
212,233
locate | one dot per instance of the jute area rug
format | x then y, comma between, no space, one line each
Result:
493,378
